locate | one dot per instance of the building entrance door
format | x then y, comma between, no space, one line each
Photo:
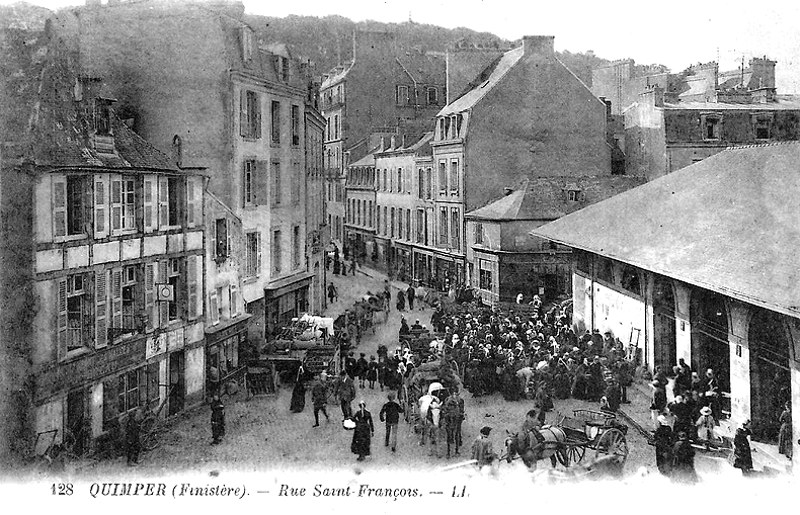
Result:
177,382
710,347
770,381
75,424
664,343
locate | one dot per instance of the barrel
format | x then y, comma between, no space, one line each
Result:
553,437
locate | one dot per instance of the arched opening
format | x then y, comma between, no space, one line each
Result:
664,344
770,381
710,348
630,280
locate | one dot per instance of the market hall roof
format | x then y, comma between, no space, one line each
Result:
729,224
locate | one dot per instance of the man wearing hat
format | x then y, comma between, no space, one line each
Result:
482,451
659,401
663,445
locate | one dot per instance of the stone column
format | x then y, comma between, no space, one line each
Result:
683,331
740,362
649,354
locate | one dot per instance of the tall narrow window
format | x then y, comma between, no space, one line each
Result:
420,183
123,204
336,126
249,114
275,173
402,95
478,233
433,97
276,121
428,183
392,225
454,177
296,253
442,177
295,125
248,168
276,251
443,223
456,229
253,254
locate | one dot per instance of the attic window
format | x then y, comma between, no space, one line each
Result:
574,195
484,84
102,117
432,96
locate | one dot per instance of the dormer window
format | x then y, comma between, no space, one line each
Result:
102,117
711,125
402,95
762,127
433,97
574,195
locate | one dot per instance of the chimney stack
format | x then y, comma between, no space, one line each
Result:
539,45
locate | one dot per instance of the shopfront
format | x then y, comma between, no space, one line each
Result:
227,352
286,299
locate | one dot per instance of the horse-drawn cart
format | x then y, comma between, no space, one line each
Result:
567,440
431,378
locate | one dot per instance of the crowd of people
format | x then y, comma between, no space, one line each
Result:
534,354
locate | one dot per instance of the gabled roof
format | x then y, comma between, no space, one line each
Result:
546,198
367,160
424,68
496,72
781,104
335,76
729,224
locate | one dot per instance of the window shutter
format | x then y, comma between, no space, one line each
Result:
258,253
190,202
116,203
61,320
198,281
150,210
214,235
262,182
59,206
234,300
257,116
116,298
191,278
163,305
212,307
149,294
100,320
243,113
100,206
163,202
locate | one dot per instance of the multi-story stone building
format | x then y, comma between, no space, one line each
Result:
106,249
397,202
666,121
195,82
383,86
360,210
317,234
524,115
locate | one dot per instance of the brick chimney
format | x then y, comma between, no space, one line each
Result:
539,45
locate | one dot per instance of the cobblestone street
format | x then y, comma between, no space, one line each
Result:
262,433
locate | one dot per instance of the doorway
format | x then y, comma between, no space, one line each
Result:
664,338
710,348
75,436
770,381
177,382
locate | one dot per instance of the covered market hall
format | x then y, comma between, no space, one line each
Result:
702,264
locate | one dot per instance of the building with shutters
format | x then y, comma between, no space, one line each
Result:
383,86
106,261
197,84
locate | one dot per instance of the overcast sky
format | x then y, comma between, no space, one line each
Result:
675,33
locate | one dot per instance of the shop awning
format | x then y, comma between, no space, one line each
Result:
288,284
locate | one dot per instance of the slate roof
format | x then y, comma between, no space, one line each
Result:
425,68
367,160
546,198
60,125
497,71
729,224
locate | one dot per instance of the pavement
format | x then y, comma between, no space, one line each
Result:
262,434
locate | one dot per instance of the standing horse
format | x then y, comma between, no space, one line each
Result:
535,445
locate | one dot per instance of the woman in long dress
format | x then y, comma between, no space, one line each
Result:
298,403
363,432
785,433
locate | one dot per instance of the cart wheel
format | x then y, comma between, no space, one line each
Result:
612,442
576,453
562,454
149,436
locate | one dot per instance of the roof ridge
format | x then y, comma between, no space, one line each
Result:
761,145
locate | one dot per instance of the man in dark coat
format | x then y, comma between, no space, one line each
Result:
217,420
362,365
350,365
319,398
410,295
133,433
404,329
363,432
453,416
664,445
683,460
390,413
345,392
